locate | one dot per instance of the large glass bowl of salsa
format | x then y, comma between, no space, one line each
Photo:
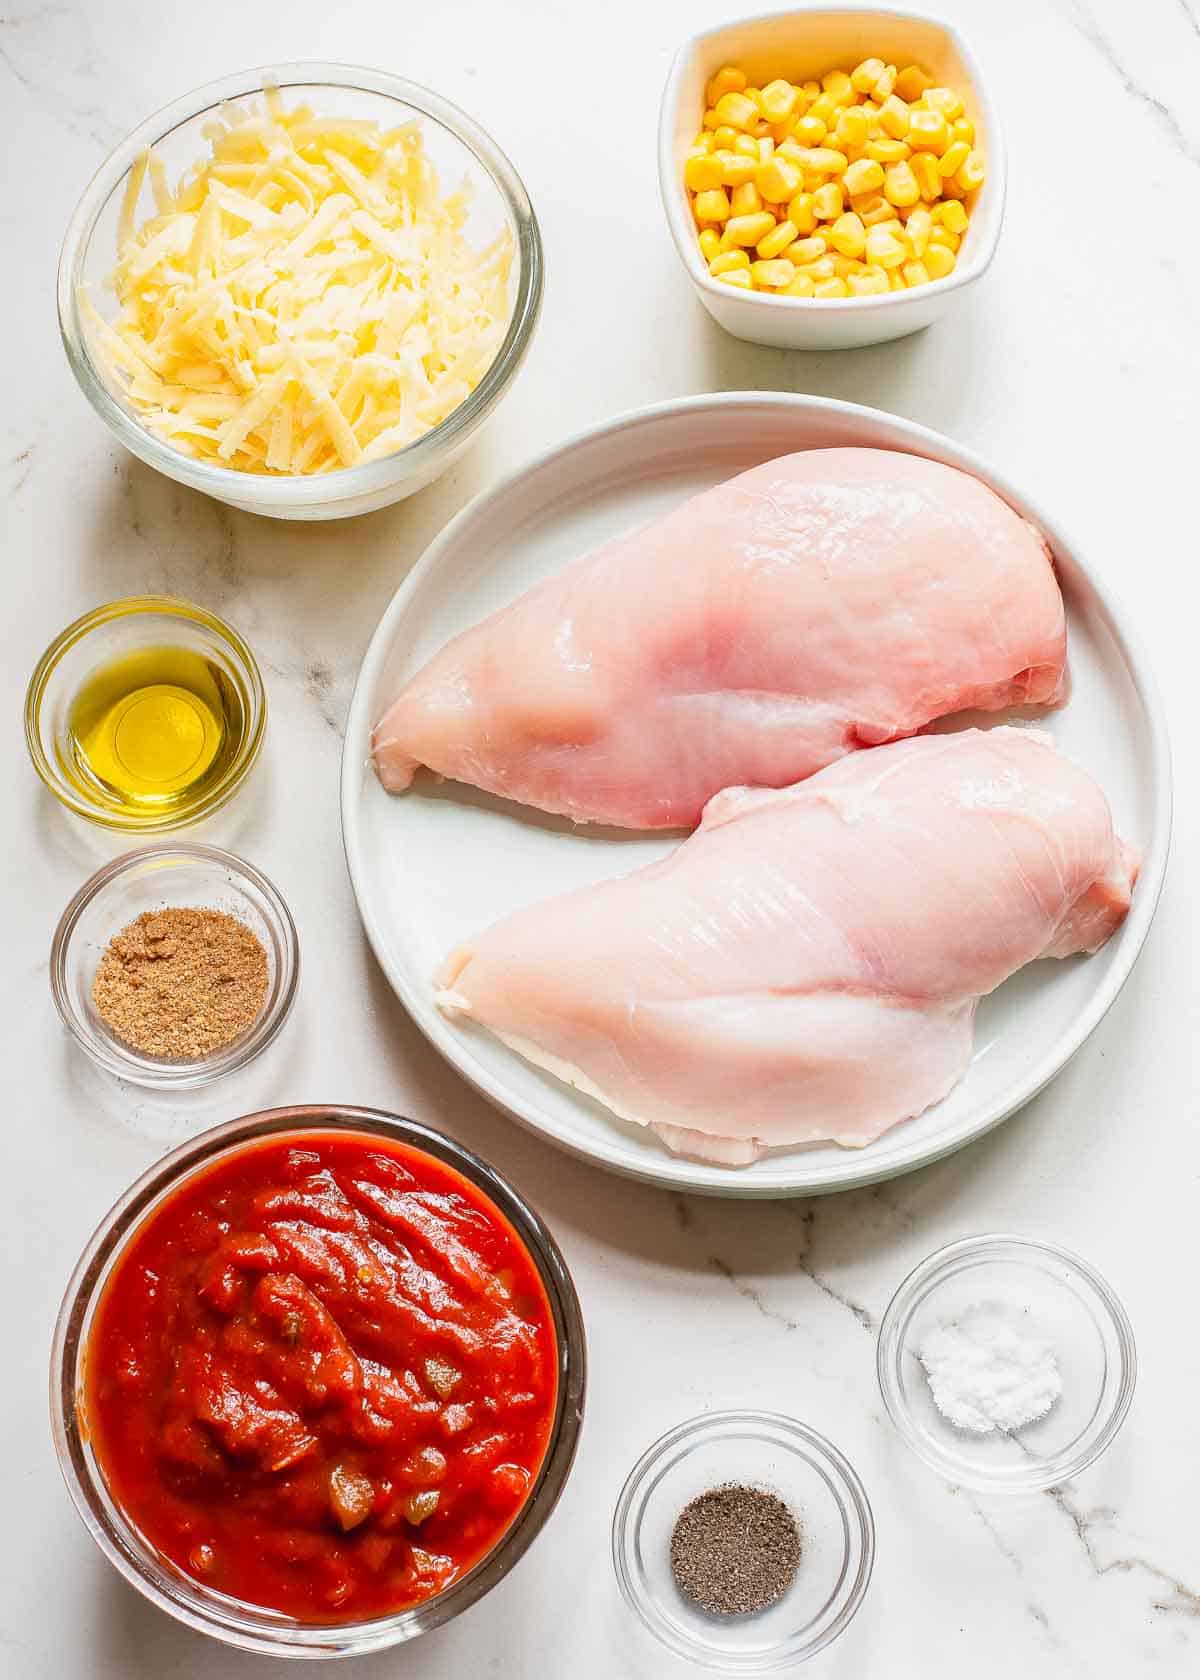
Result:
317,1381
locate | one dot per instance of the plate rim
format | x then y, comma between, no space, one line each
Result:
858,1169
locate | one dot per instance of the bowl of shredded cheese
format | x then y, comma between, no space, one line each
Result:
301,289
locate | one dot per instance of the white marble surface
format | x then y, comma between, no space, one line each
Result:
1074,367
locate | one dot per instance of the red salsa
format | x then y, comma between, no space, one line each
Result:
322,1376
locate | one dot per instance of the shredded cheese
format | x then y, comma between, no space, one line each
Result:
304,300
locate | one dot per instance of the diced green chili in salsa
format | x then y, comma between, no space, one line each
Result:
322,1376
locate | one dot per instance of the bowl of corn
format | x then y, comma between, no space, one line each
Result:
831,177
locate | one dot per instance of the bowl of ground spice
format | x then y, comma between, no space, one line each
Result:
175,964
744,1541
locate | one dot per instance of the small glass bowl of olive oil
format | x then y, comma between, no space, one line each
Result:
145,714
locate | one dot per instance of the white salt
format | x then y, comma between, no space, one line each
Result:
987,1370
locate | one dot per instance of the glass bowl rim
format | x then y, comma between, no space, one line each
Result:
228,1622
225,1059
844,1480
132,606
280,491
892,1343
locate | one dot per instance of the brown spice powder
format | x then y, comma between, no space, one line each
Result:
180,983
735,1550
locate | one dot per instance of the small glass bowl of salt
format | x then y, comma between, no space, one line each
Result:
1007,1364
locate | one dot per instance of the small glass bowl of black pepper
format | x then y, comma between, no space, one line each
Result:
813,1590
162,877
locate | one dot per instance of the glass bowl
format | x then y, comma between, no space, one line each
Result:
1056,1297
151,879
458,148
810,1475
135,624
244,1625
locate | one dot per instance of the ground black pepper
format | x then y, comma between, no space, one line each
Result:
735,1550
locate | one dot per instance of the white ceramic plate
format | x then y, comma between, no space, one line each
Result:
437,863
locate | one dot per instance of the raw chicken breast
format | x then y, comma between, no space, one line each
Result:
807,964
820,602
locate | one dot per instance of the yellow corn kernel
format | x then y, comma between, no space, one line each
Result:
953,158
827,202
838,86
782,131
900,184
824,160
810,90
766,148
939,261
802,286
962,128
951,189
810,130
945,100
777,241
745,200
710,243
736,169
746,146
954,217
737,109
779,101
918,228
928,176
971,176
864,76
928,131
729,79
894,117
848,235
874,210
915,274
704,141
939,235
884,149
868,283
885,83
711,120
726,261
883,248
912,82
807,250
778,180
724,138
801,214
747,230
835,287
737,277
844,267
865,175
852,130
711,206
825,106
896,280
821,269
701,172
773,274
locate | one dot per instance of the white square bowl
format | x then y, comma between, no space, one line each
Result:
802,44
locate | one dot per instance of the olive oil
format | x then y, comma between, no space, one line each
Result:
150,733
